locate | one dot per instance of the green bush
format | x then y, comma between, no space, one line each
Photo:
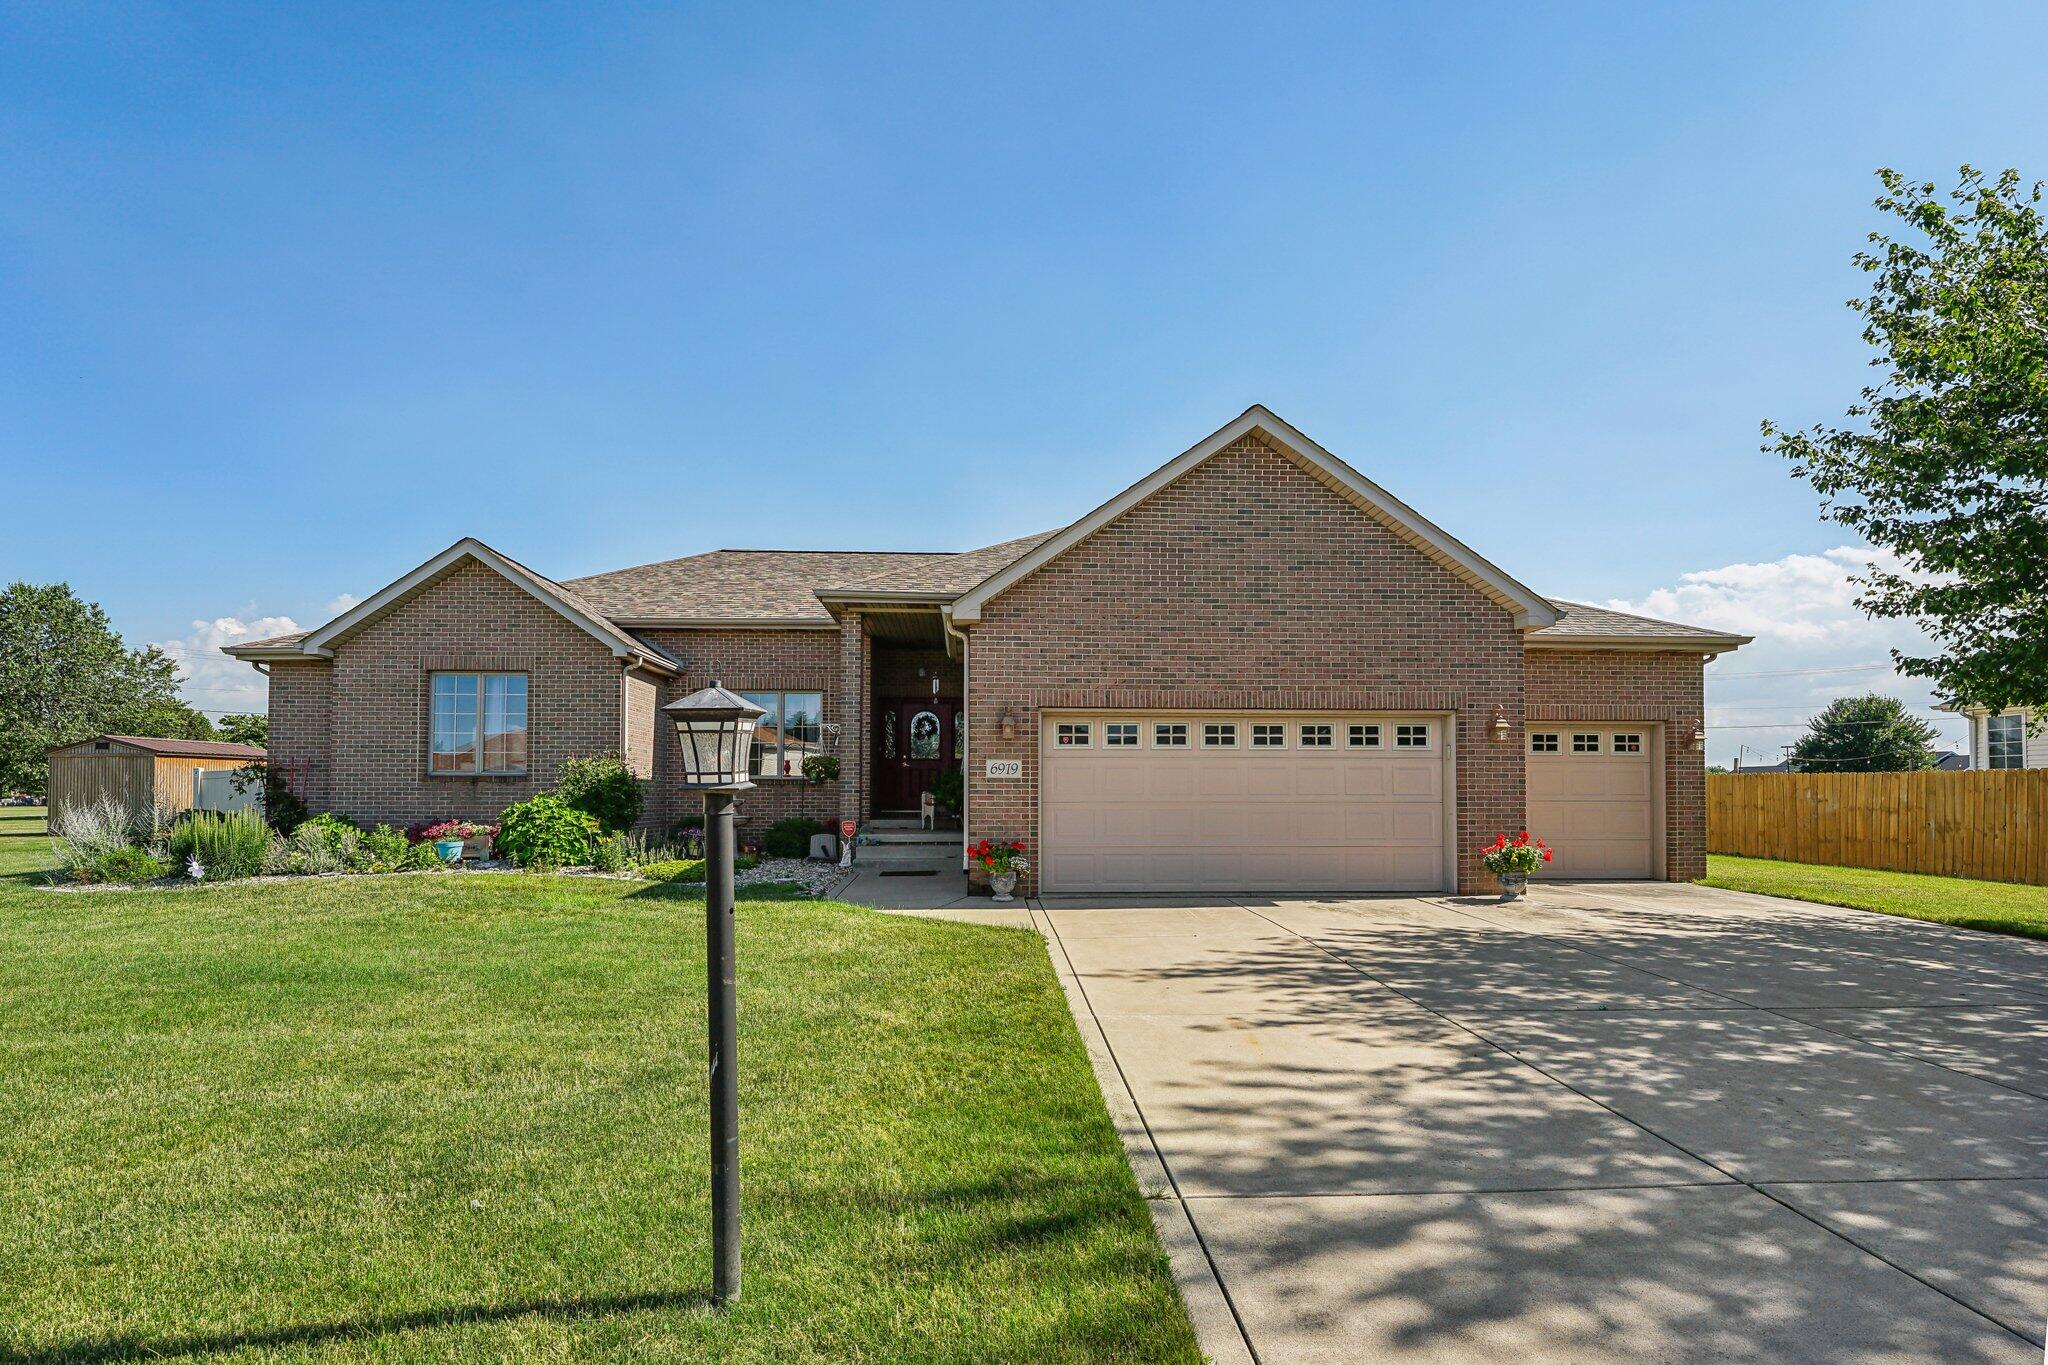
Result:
420,858
125,864
790,838
603,787
546,832
949,791
610,853
687,869
384,848
237,844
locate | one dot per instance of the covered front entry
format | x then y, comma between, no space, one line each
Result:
1255,802
916,738
1593,799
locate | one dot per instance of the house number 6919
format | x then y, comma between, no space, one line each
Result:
1006,767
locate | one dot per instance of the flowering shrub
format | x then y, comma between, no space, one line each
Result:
997,859
1522,854
432,831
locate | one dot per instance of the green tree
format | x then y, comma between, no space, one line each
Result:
244,729
1945,461
65,675
1869,734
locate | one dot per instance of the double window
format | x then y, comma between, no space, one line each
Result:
1586,744
1074,736
2005,742
1544,742
1269,736
476,724
1120,734
1315,736
1362,736
1411,736
1221,735
792,730
1170,736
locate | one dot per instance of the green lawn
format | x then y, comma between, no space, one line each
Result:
462,1118
2002,907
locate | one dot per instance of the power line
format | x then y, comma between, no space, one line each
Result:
1802,672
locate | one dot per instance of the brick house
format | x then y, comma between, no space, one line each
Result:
1252,669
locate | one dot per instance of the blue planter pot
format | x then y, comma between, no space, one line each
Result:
449,849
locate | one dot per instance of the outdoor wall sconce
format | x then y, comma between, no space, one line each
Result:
1007,723
1699,738
1500,721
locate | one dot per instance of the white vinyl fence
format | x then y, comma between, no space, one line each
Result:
214,789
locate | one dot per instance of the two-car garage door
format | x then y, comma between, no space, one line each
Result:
1133,802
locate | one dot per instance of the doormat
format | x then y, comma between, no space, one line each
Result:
912,872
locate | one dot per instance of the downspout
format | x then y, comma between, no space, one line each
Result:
966,696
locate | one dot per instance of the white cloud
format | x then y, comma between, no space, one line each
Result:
1802,611
211,680
341,604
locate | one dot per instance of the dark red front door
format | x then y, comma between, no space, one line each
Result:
916,738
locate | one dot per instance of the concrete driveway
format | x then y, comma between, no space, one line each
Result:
1626,1123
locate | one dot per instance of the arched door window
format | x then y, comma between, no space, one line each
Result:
924,735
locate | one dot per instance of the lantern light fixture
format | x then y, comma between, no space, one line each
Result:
1699,737
716,730
1500,721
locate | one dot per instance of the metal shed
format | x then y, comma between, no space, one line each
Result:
134,769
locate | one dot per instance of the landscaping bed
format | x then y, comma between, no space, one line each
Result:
1999,907
459,1117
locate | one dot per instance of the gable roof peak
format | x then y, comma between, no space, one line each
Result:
1528,607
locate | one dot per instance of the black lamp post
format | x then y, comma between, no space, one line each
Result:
716,728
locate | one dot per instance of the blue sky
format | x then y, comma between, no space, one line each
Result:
292,297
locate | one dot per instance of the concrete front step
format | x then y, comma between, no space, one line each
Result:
906,855
938,838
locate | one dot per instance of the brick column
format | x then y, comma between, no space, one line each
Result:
855,657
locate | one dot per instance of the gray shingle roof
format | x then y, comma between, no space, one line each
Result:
290,639
780,585
1582,621
182,748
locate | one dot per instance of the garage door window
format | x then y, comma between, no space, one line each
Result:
1628,744
1072,735
1585,744
1173,736
1117,735
1315,736
1543,744
1363,736
1411,736
1269,736
1219,736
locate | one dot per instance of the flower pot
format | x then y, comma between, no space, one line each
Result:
479,849
449,849
1002,883
1513,884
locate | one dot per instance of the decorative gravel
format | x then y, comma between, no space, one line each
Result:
819,879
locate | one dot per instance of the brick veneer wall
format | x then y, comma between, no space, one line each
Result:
750,661
1247,584
302,726
1620,685
643,698
469,618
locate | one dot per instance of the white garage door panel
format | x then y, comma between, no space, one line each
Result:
1329,818
1597,810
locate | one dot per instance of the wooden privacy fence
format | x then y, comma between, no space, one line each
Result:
1989,825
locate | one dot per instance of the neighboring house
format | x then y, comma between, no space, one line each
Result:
1253,669
1946,761
2009,739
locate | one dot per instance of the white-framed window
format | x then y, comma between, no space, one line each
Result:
1411,736
794,729
1544,742
1119,734
1269,736
1219,735
1316,736
1170,735
1626,742
1585,744
1071,734
476,724
1362,736
2005,741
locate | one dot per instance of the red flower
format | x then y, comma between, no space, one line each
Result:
1546,855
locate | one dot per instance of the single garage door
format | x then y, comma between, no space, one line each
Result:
1592,800
1149,802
